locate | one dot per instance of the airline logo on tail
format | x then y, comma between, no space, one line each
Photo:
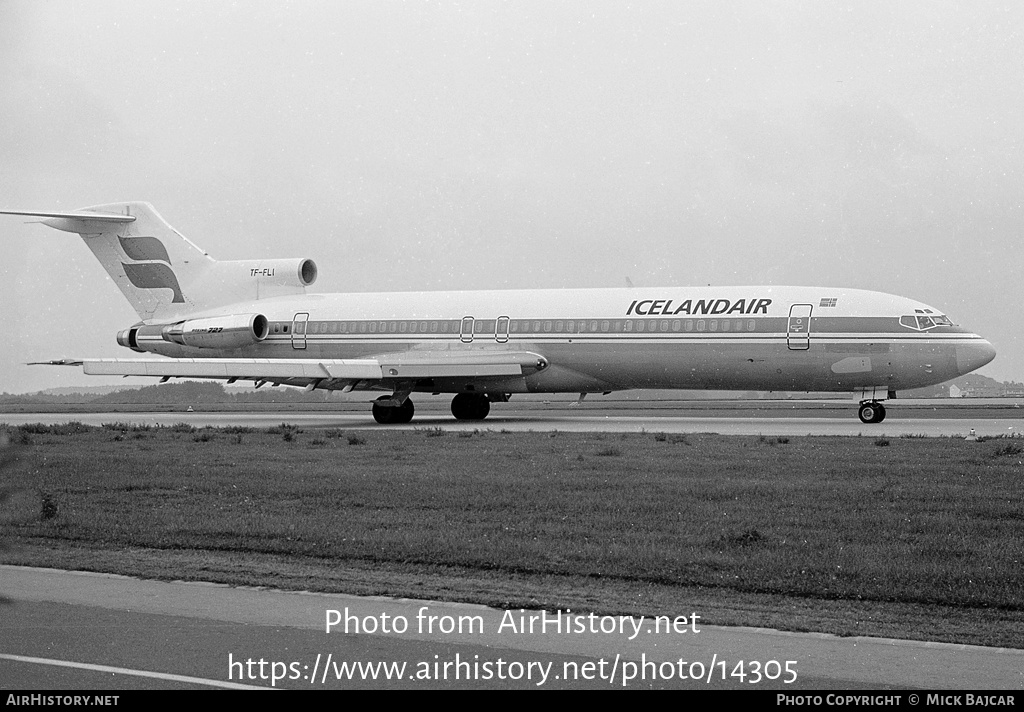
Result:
152,266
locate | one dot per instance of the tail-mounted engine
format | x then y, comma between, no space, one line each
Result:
216,332
278,273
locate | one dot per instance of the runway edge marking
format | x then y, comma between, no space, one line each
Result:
128,671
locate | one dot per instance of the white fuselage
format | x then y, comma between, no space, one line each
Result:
741,338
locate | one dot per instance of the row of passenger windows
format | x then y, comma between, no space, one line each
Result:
519,326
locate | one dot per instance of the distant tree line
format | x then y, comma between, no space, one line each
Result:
181,393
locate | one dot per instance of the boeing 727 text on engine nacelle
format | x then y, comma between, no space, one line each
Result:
257,320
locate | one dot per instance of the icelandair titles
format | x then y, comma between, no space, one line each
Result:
666,307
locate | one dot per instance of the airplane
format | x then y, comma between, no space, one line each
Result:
258,320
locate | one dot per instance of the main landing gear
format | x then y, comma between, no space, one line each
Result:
471,406
393,414
465,406
871,412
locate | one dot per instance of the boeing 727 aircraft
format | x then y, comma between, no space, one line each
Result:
257,320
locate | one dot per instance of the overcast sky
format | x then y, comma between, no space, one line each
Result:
444,145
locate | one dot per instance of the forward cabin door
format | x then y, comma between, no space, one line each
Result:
798,332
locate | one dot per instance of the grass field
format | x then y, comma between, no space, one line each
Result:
909,537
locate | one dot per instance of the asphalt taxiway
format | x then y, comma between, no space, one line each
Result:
809,418
76,630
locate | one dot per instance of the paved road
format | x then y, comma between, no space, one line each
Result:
115,632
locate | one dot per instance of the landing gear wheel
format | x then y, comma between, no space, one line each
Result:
871,413
390,414
405,412
470,406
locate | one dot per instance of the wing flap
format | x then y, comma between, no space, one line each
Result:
459,364
348,369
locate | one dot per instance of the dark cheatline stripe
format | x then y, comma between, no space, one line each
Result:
154,276
144,248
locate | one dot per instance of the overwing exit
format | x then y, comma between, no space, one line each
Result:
258,320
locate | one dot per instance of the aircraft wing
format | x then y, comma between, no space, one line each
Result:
326,373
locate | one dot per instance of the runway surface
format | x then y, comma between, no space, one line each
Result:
74,630
807,421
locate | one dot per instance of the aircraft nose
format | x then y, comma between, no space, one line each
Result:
973,356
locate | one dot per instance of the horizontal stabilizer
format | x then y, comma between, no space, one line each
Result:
80,215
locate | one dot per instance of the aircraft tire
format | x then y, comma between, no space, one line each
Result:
405,412
871,412
390,415
383,414
470,406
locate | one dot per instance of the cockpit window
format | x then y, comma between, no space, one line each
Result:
923,323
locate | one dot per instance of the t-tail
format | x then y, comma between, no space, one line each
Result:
161,272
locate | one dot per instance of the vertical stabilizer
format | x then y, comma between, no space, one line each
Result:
152,263
162,273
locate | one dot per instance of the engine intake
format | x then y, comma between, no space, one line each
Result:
218,332
274,273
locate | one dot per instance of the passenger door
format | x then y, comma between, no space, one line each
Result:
798,332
